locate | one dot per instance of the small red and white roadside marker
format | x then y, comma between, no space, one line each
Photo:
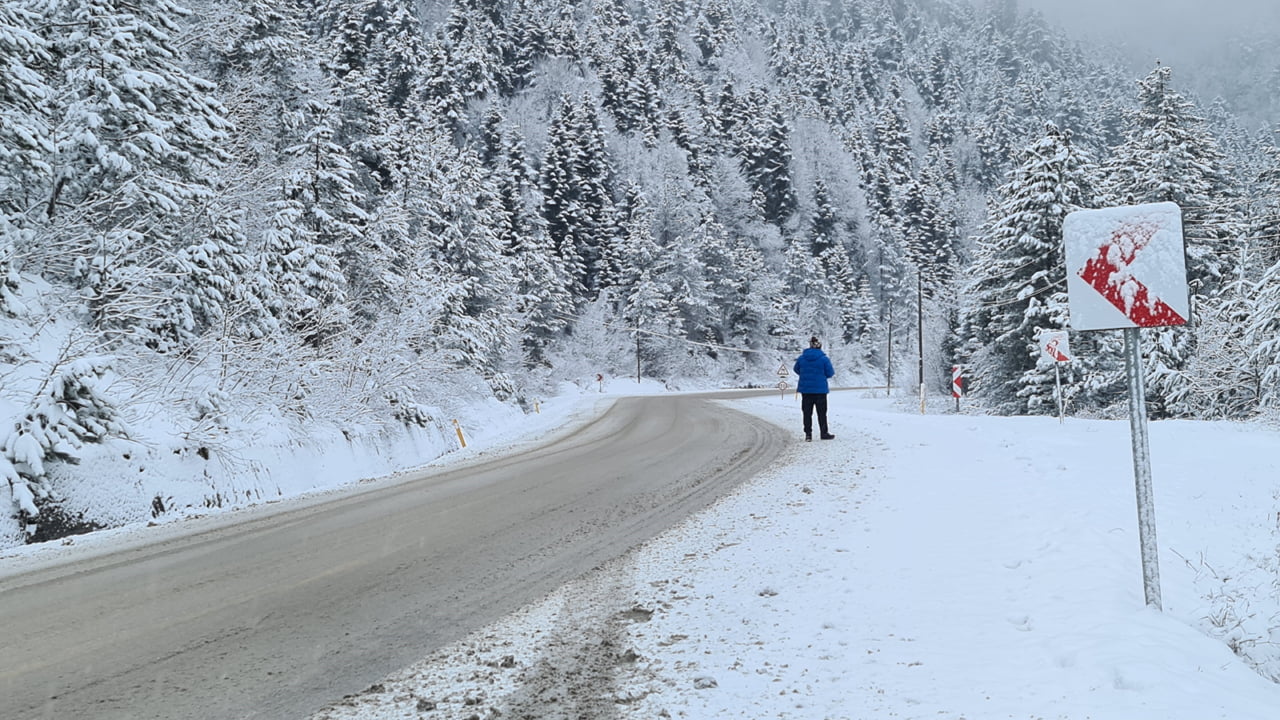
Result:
957,384
1055,346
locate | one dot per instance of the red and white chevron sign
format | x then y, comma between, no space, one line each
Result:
1055,345
1126,267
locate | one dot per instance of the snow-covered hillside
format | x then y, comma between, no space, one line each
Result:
945,565
343,220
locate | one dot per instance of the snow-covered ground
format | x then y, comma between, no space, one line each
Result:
936,566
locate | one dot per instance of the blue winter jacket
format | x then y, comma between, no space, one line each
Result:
814,367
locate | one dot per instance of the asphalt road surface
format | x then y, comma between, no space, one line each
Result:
277,614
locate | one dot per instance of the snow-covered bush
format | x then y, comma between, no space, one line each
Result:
1243,609
409,411
68,412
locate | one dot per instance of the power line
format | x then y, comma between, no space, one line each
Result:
1055,286
615,326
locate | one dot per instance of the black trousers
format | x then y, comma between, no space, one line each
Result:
810,402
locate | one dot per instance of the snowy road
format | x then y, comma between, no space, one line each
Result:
276,615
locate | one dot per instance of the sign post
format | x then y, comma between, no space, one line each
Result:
1142,466
1126,269
1055,346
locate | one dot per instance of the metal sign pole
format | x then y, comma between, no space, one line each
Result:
1142,467
1057,390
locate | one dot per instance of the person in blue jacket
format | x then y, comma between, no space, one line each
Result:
814,367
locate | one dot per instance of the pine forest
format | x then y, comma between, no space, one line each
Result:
368,213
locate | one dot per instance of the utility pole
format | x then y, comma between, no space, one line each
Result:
888,365
920,330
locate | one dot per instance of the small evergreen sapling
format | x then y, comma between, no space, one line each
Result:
68,413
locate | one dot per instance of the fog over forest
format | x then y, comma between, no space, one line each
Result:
1209,44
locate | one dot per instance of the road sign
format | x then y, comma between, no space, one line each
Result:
1055,346
1126,267
783,371
957,382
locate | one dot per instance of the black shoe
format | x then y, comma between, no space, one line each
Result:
808,437
828,436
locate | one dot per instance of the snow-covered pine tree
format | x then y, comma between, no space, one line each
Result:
524,44
558,185
309,287
398,55
669,36
458,219
726,117
726,282
1170,156
476,50
1263,337
325,187
205,281
26,142
1018,285
681,127
441,86
713,30
262,38
542,296
621,58
681,267
827,237
647,299
636,245
135,137
25,139
866,333
1263,224
997,133
130,122
766,161
69,410
576,182
807,306
1225,371
938,83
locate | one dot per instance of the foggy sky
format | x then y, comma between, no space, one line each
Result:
1168,30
